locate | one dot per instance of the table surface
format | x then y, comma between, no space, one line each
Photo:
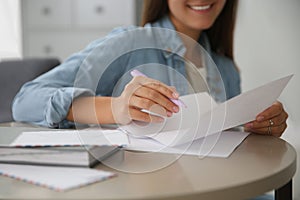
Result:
260,164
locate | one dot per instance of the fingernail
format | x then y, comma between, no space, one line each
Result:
175,109
169,114
260,118
175,95
249,125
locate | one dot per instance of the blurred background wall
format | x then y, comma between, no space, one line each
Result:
267,46
10,29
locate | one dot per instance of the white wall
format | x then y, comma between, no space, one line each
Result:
267,47
10,29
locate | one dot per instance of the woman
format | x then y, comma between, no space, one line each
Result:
55,101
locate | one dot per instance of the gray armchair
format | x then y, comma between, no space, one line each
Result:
13,74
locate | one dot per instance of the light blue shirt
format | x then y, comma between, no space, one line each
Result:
102,69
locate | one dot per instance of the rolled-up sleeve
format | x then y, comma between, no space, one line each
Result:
92,72
46,100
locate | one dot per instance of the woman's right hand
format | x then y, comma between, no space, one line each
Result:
144,93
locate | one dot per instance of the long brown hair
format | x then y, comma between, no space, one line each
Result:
220,34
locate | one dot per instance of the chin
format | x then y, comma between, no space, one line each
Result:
203,26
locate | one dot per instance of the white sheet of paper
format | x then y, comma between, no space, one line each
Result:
245,107
55,178
70,138
215,145
197,105
198,121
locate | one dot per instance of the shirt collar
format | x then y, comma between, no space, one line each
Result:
171,41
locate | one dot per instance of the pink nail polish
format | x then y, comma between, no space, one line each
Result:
260,118
175,109
249,125
175,95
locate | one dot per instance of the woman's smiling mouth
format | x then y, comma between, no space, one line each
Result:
202,8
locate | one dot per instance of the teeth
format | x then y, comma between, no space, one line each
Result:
200,7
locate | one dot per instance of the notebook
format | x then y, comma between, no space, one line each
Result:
75,148
71,156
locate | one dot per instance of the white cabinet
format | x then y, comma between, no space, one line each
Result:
58,28
58,44
43,13
106,13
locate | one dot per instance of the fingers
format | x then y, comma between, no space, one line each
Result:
158,86
277,120
270,112
276,131
263,125
143,103
151,97
138,115
143,93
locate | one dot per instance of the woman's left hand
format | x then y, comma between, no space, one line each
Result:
272,121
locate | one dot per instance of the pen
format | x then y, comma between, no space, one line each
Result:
178,102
